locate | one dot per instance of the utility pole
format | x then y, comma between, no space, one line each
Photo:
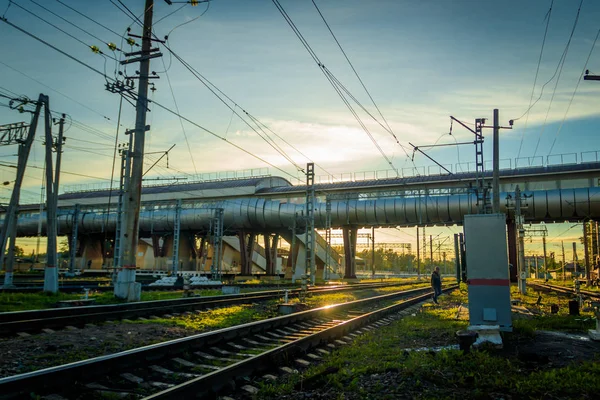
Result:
373,252
424,247
586,234
52,184
562,244
327,238
496,164
125,286
521,242
545,257
536,266
575,269
10,216
309,244
418,256
431,249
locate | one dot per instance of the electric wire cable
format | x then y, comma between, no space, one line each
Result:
562,63
548,15
110,45
156,103
180,120
94,49
574,92
336,88
389,129
90,19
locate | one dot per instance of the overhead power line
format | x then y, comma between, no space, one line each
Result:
316,59
574,91
561,63
150,101
537,70
389,128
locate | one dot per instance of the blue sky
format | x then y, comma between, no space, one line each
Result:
422,61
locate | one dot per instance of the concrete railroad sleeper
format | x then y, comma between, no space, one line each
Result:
36,320
563,289
205,363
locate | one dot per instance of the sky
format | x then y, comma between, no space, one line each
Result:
422,61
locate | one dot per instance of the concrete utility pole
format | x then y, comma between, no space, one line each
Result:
575,259
496,164
373,251
418,256
309,244
564,261
545,257
10,217
521,242
125,286
52,184
586,234
431,249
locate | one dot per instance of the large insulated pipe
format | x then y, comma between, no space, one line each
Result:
272,215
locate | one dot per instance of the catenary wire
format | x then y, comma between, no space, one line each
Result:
574,91
548,15
561,63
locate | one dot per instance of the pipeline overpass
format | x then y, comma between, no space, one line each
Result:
272,207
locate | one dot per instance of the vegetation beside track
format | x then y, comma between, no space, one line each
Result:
240,314
569,283
543,318
37,301
383,363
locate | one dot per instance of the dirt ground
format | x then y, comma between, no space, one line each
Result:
24,354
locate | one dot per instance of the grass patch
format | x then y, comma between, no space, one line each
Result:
545,320
38,301
378,366
220,317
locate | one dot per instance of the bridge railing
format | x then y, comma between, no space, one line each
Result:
464,167
203,177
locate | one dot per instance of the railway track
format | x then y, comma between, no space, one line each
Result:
205,364
36,320
563,289
78,287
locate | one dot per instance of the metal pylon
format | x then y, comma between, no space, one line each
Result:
310,221
176,235
482,200
327,238
73,249
217,242
123,184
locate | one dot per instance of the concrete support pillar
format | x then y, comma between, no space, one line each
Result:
246,251
160,247
91,251
271,243
512,248
350,235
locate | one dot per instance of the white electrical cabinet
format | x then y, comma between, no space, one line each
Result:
487,270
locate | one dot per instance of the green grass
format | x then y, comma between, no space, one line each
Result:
561,321
37,301
219,318
377,366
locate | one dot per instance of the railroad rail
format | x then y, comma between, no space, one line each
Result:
36,320
565,290
204,364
